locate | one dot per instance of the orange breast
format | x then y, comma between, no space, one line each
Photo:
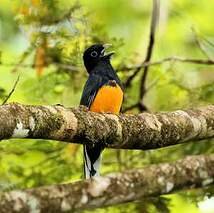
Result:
108,99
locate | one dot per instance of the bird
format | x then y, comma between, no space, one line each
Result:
102,93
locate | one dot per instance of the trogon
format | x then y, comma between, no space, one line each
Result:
103,92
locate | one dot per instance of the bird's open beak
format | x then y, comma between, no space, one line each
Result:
104,54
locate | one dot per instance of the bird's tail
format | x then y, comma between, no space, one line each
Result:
92,160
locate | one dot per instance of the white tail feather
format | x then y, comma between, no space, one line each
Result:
88,166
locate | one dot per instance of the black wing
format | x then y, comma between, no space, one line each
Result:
92,85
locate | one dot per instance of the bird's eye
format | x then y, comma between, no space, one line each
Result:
94,54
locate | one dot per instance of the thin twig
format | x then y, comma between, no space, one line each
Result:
136,105
23,58
60,65
155,14
130,107
208,41
198,42
68,67
11,92
169,59
120,69
154,22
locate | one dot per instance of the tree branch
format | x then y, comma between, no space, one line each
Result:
190,172
154,20
12,91
78,125
169,59
198,42
129,68
155,16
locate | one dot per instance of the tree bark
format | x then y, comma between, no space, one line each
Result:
191,172
78,125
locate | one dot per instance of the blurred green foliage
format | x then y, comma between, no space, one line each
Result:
43,40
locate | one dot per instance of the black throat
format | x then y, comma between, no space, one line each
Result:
103,65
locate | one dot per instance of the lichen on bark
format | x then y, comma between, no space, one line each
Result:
113,189
78,125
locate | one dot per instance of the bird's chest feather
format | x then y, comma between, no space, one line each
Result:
108,99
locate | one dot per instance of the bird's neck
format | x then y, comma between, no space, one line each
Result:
101,66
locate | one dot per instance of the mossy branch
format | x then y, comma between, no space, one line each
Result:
191,172
78,125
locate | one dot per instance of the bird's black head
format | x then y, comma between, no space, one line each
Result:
94,54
